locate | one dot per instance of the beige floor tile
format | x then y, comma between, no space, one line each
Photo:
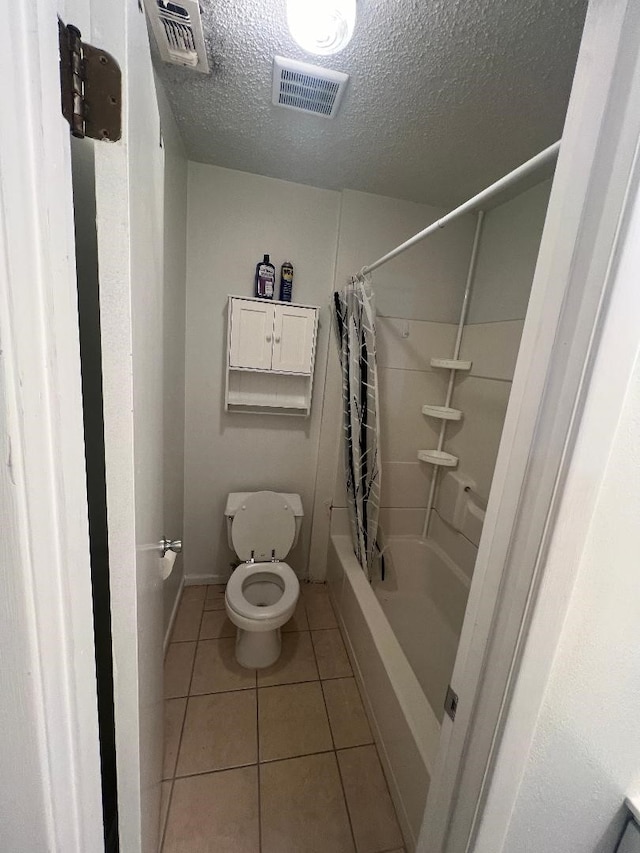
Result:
298,621
319,609
219,732
216,624
296,662
292,721
302,806
214,813
194,593
187,624
177,669
373,817
173,718
165,796
215,597
347,716
331,654
216,669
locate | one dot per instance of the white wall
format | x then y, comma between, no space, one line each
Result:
425,283
233,219
511,237
571,749
174,306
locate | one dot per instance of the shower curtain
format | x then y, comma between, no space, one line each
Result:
355,328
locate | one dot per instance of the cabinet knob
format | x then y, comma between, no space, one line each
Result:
277,339
268,338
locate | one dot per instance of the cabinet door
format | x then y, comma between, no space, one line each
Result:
251,334
294,334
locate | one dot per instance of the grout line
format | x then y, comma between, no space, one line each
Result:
324,702
195,654
386,783
346,801
184,720
163,828
258,765
262,686
215,770
384,776
301,755
334,751
181,642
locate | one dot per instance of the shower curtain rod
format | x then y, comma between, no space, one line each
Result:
522,171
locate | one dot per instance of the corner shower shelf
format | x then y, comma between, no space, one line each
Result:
451,364
445,413
438,457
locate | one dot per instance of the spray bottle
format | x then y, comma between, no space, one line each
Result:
286,281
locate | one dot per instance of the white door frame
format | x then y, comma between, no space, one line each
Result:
584,225
48,708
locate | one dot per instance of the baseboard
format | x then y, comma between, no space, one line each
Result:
196,580
174,611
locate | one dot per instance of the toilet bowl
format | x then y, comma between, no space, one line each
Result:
262,592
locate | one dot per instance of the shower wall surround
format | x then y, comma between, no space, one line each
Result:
425,286
491,338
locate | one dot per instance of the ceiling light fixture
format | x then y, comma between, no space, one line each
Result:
321,27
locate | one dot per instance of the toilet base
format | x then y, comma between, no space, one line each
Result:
257,649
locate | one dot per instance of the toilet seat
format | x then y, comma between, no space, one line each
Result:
263,528
236,600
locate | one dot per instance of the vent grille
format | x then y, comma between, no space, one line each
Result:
308,88
178,31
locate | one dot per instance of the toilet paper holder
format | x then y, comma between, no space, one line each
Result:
174,545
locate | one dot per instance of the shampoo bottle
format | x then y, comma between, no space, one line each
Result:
265,278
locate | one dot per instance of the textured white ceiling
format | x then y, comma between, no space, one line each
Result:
444,97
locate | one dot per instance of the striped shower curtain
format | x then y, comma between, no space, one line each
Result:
355,328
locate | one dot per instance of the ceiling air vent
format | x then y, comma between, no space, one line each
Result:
178,31
309,88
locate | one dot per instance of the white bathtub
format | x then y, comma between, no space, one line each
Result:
402,636
424,595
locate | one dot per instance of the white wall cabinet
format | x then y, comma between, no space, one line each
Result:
271,354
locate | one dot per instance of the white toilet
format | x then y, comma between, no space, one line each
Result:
262,592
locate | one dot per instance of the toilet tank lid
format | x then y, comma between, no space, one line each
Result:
236,499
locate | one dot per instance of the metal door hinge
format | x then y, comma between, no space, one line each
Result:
451,702
90,83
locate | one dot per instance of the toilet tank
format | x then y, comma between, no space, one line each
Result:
236,499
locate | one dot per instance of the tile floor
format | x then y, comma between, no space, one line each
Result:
276,761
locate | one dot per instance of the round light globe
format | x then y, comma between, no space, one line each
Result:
321,27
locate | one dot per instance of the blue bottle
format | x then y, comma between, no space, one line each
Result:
286,281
